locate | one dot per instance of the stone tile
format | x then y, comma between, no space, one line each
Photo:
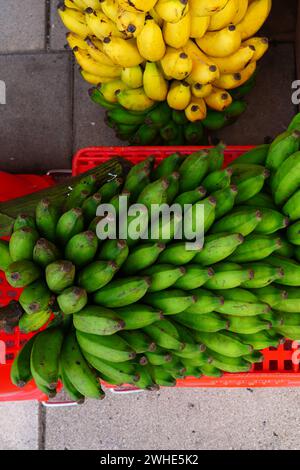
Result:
57,30
19,426
270,107
36,122
89,126
22,28
180,419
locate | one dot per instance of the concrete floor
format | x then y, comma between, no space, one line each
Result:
48,116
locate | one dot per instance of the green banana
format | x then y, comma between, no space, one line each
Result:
72,300
242,221
170,301
142,257
254,358
292,207
162,377
218,247
45,253
110,348
163,276
287,250
97,275
206,302
110,189
98,321
173,188
160,333
179,117
122,292
194,132
122,116
216,157
169,131
46,216
191,223
228,276
69,224
194,277
264,275
60,275
247,325
236,109
145,380
215,120
154,193
289,332
35,297
22,243
98,98
69,387
286,180
177,254
24,220
297,253
261,200
138,341
207,322
191,348
242,303
294,125
250,183
167,166
191,197
163,229
138,316
136,181
33,322
229,364
225,343
288,319
209,370
271,295
276,319
114,250
145,135
255,248
20,372
293,233
281,148
290,303
217,180
290,267
225,199
82,248
78,370
44,360
192,171
113,371
5,258
159,116
260,340
22,273
272,221
159,357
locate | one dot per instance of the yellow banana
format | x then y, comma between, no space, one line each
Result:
205,7
257,13
110,9
235,62
176,64
97,54
221,43
261,46
75,4
76,41
177,34
156,17
122,52
196,110
135,100
155,86
74,21
241,12
233,80
150,42
132,76
172,10
224,17
203,73
111,89
94,79
137,5
95,4
201,91
199,26
95,68
100,24
179,95
218,100
130,23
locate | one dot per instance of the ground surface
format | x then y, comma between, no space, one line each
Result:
48,116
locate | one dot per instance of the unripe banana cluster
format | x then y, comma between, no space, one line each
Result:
190,53
149,311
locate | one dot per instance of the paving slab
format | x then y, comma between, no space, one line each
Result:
19,428
22,28
57,30
89,126
180,419
270,103
36,122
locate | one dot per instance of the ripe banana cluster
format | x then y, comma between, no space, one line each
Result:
189,53
148,311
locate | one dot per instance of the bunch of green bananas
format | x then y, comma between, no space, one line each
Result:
149,311
162,125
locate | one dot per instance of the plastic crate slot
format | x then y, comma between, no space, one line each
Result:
288,346
273,365
288,365
258,367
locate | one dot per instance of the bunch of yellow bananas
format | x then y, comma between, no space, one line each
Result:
187,52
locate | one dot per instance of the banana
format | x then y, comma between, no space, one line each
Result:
150,42
293,233
179,95
135,99
218,100
261,45
5,258
47,215
254,358
155,86
199,25
229,364
160,333
96,4
210,371
159,116
89,208
217,180
264,275
60,275
225,343
255,248
208,322
250,183
289,332
24,220
130,23
221,43
154,193
292,207
247,325
287,250
35,297
170,301
271,222
95,50
163,276
228,276
132,76
122,292
201,91
287,179
294,124
123,53
281,148
172,11
110,348
137,5
69,388
257,13
203,71
74,21
22,273
190,197
261,200
176,63
177,34
224,17
20,372
82,248
112,371
162,377
193,170
139,341
111,89
97,275
196,110
225,199
167,166
110,9
98,321
145,379
123,116
159,357
241,12
242,221
110,189
291,303
33,322
271,295
77,369
206,302
142,257
204,8
90,65
215,120
44,360
194,277
69,224
218,247
101,26
260,340
177,254
72,300
138,316
230,81
236,61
